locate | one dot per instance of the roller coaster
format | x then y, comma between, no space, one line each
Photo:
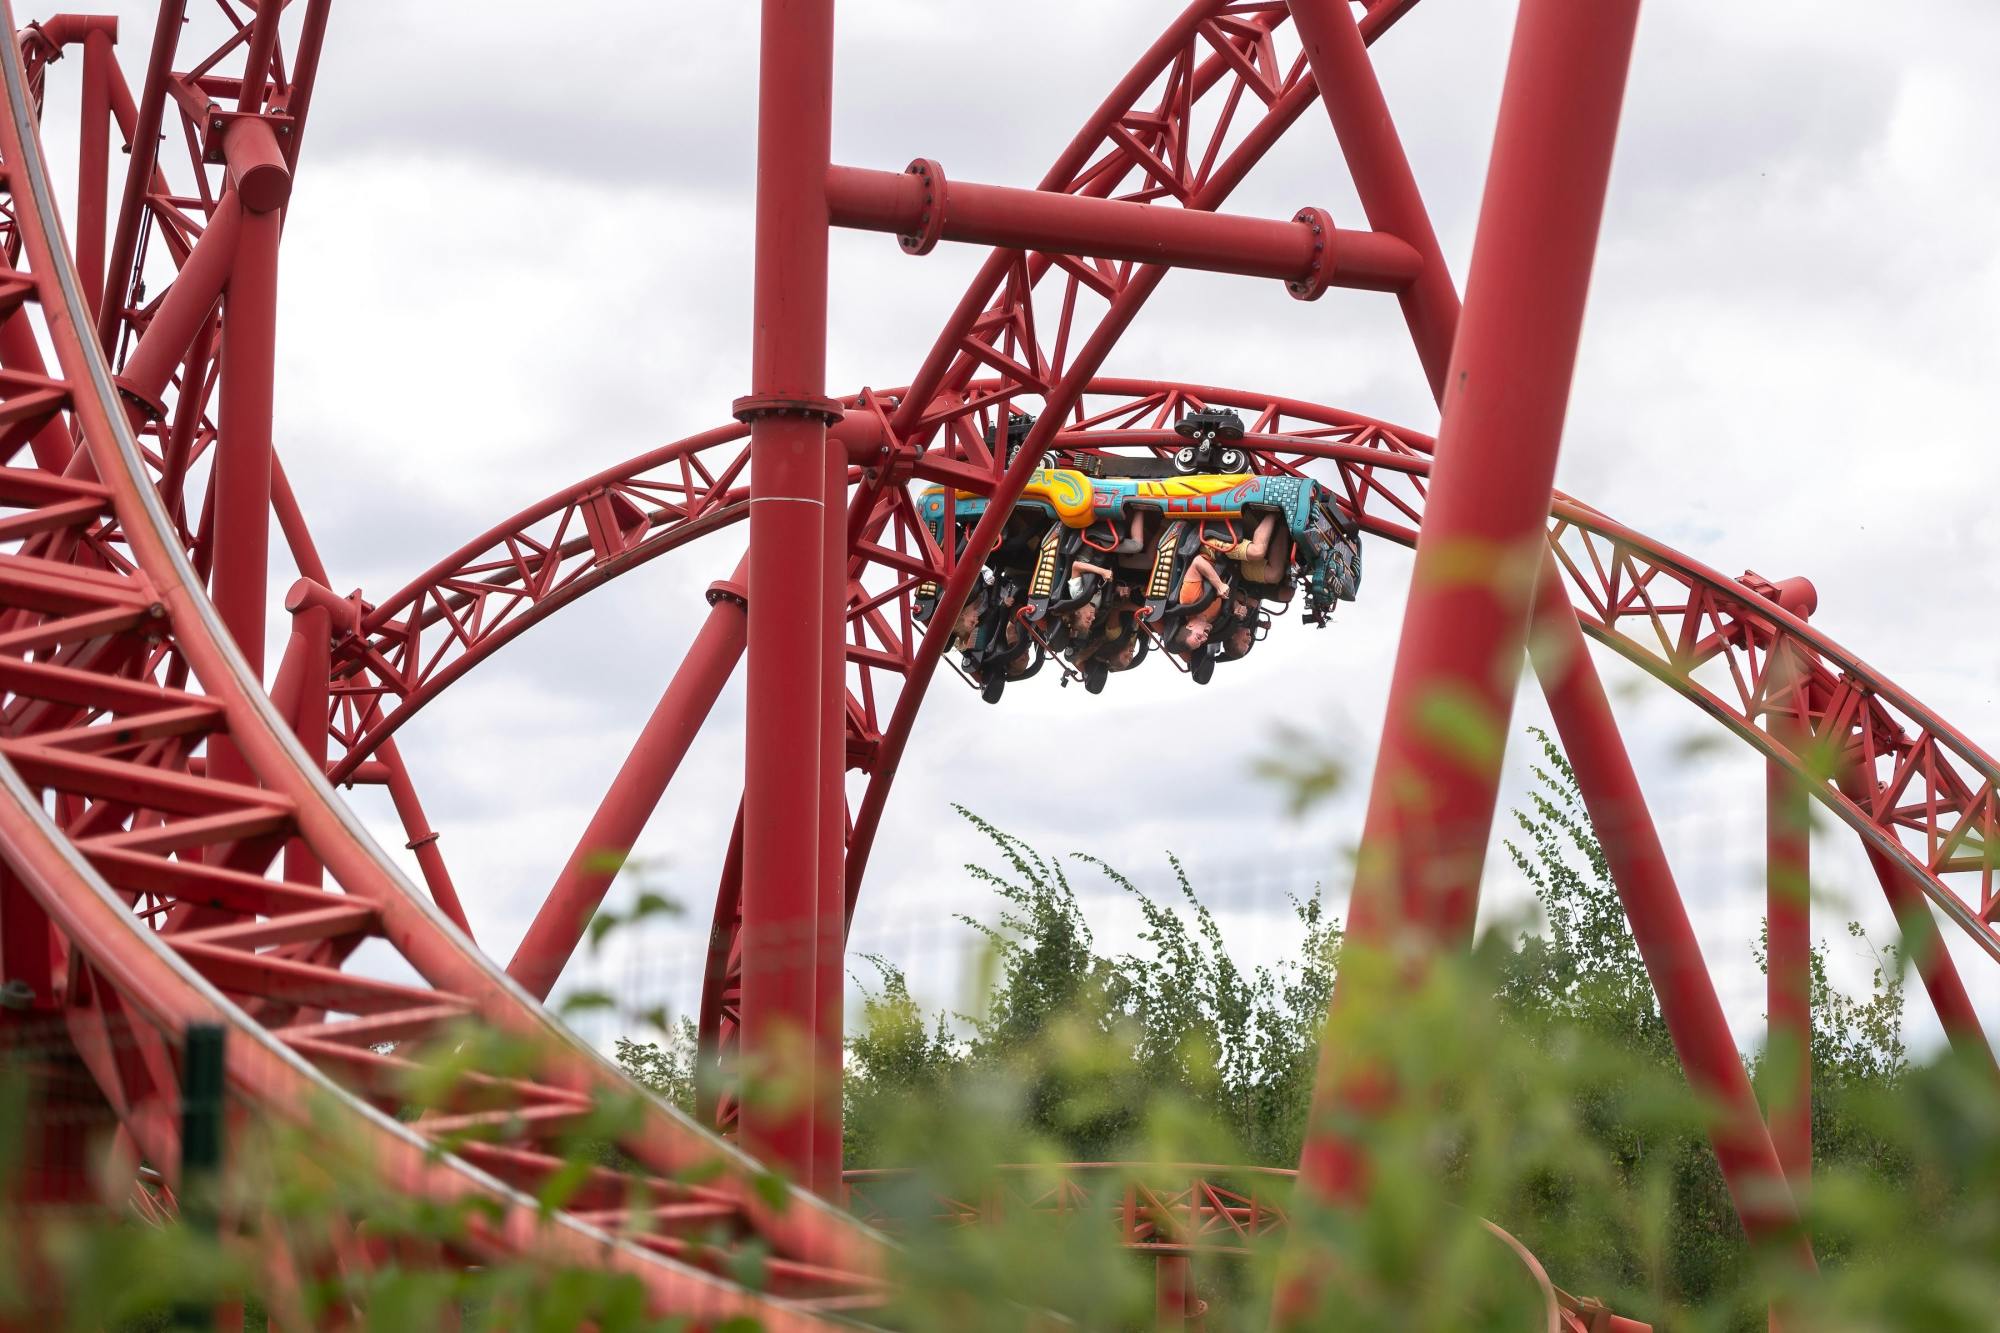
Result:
177,854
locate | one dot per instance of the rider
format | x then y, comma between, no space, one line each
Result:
1200,623
1083,612
1261,563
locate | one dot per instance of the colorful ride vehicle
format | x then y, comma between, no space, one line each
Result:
1104,552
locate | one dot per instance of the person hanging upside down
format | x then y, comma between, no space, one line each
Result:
1016,657
1135,535
1194,631
1079,618
965,629
1260,562
1239,635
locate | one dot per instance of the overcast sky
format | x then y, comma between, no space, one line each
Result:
519,251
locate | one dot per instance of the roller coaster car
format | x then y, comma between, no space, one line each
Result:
1077,512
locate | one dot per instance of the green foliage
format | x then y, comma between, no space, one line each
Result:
667,1069
1558,1110
1091,1041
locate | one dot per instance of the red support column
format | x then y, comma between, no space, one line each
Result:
635,793
243,444
1451,699
1484,528
1659,919
788,413
829,990
1788,971
93,167
1382,176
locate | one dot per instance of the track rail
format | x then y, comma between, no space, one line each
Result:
1925,795
148,878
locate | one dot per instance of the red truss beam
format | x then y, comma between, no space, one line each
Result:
1308,253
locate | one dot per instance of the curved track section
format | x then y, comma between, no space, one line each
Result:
1914,788
139,898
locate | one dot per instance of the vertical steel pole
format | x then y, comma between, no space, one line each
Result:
788,412
243,444
829,991
1659,919
1387,187
635,793
242,486
1788,971
93,167
1451,699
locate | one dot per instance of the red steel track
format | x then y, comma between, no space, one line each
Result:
174,848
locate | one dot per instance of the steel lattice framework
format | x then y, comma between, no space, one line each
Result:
174,848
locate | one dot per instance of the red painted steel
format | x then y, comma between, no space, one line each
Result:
93,164
141,125
920,202
1388,191
1338,53
788,413
1452,693
242,502
830,893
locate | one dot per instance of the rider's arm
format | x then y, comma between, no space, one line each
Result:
1203,567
